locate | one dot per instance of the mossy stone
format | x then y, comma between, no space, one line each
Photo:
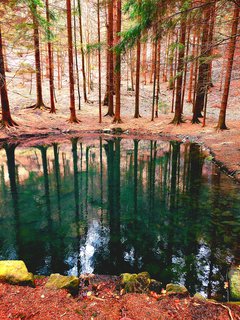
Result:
234,283
57,281
15,272
155,286
136,282
176,288
198,296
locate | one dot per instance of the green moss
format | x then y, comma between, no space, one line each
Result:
15,272
57,281
176,288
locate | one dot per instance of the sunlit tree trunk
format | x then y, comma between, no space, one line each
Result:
99,64
117,118
73,117
110,89
138,62
230,56
50,64
202,82
180,67
39,104
82,52
6,120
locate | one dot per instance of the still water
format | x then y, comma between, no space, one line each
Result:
114,206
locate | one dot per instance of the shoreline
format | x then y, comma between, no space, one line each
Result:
223,146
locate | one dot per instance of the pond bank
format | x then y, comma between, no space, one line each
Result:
43,128
102,302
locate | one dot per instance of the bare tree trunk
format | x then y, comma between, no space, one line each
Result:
99,64
203,71
138,62
5,57
76,55
158,77
82,52
73,117
39,104
178,110
50,63
144,63
230,56
7,120
111,63
190,88
154,76
117,118
185,68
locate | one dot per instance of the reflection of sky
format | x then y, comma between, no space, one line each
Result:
96,238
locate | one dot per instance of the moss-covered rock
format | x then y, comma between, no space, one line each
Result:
198,296
234,283
57,281
176,288
155,286
15,272
138,283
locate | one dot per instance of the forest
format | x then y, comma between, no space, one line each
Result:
186,46
119,159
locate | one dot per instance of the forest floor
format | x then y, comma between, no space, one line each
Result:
103,302
41,126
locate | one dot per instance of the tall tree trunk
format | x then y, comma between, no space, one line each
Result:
138,61
76,55
158,77
111,63
190,88
230,55
144,63
7,69
82,52
39,104
185,67
180,68
50,63
73,117
154,75
203,71
99,64
7,120
117,118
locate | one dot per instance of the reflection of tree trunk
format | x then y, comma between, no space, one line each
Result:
136,177
57,178
76,198
101,177
86,181
10,153
115,246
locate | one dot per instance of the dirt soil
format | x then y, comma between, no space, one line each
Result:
104,302
40,126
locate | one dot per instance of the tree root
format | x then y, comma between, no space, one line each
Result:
8,124
177,121
225,307
195,121
137,116
109,114
117,121
40,106
74,120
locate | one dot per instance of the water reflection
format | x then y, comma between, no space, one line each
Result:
113,206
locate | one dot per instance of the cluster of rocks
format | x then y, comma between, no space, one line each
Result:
15,272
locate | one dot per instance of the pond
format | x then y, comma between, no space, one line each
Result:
109,206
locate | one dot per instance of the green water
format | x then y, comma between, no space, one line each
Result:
118,206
